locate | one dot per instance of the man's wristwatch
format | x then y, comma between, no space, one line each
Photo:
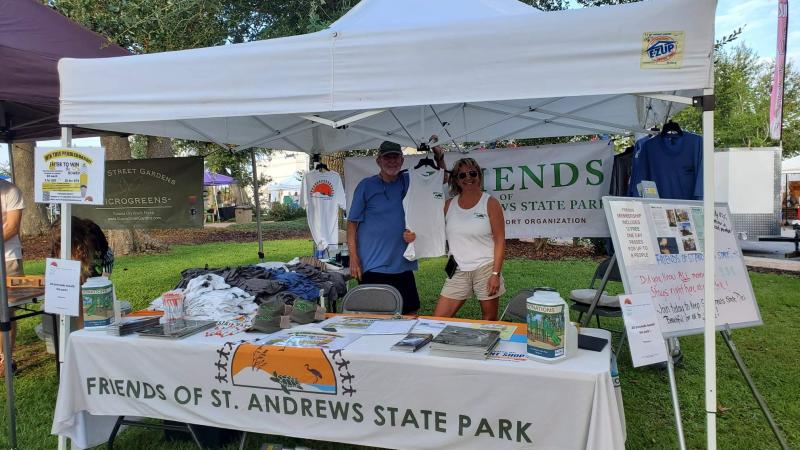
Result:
496,273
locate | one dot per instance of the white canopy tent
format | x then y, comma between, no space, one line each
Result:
791,166
400,70
393,69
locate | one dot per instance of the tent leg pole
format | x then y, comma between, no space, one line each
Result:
11,162
258,206
66,253
5,327
709,280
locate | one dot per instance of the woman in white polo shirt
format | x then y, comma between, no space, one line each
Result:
476,237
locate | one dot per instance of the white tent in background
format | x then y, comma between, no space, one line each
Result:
791,166
289,184
400,70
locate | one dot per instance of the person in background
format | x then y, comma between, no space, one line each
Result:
375,227
89,246
476,236
12,206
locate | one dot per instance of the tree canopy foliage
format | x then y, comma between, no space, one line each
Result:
742,87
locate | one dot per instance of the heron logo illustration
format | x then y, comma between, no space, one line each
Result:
310,370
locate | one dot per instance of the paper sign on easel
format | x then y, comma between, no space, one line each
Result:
644,334
62,286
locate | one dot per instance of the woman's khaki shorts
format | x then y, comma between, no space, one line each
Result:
464,284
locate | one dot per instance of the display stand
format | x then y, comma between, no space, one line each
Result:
726,336
657,242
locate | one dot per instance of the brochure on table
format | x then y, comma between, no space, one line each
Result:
69,175
659,246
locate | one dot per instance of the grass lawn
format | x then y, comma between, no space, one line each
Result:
770,352
299,224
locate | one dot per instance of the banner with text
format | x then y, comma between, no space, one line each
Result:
363,394
545,191
659,244
150,193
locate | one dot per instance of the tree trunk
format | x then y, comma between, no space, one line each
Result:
239,195
125,242
35,220
158,147
540,243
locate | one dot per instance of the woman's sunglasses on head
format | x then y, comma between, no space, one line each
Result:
471,173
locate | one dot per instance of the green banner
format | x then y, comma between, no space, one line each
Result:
149,193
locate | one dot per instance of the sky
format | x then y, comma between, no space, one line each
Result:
757,17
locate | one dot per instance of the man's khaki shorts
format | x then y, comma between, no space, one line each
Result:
464,284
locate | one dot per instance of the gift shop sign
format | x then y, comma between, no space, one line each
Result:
69,175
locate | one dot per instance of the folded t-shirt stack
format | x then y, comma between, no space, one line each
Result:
252,279
208,297
300,281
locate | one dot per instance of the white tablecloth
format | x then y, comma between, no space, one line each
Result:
363,394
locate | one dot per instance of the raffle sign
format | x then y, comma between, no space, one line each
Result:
69,175
545,191
660,243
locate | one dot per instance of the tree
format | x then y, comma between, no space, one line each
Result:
35,221
742,87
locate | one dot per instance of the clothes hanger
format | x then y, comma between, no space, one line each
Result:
671,128
426,160
321,167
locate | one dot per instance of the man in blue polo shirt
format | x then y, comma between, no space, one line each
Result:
375,226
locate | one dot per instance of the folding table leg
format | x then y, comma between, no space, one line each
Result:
114,432
194,436
244,439
54,322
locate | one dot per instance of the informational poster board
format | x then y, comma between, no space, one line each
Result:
545,191
150,193
659,248
69,175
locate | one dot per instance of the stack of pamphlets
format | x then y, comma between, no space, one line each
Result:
128,325
463,342
412,342
177,329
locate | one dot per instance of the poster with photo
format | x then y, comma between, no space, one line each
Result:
699,226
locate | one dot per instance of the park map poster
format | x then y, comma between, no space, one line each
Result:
69,175
150,193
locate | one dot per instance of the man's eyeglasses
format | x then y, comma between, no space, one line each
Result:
471,173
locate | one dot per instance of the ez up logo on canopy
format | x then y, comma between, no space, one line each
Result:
662,50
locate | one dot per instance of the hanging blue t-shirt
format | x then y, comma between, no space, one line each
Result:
377,206
674,163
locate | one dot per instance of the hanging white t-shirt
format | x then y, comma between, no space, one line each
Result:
322,194
424,209
11,197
